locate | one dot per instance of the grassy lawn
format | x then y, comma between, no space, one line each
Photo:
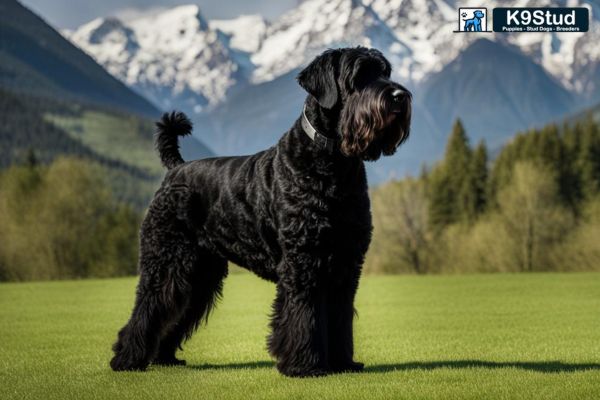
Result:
439,337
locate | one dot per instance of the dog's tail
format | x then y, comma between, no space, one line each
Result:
168,129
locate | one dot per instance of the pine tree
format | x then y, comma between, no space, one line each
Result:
589,158
479,170
441,199
458,167
31,159
458,154
450,189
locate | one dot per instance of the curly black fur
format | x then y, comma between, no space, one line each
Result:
169,128
296,214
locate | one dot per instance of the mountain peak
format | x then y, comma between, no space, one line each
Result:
245,32
315,25
178,59
105,30
187,15
172,57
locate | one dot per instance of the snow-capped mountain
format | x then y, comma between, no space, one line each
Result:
245,33
174,57
565,56
425,26
217,70
315,25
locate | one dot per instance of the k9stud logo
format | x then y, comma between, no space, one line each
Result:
472,19
545,19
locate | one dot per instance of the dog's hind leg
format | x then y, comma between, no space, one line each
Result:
168,256
207,286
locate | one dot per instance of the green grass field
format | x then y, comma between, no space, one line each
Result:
523,336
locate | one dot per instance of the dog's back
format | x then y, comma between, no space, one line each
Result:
225,200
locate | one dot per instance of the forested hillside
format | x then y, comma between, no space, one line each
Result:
121,143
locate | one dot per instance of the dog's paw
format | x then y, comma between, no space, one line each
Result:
348,367
121,363
168,361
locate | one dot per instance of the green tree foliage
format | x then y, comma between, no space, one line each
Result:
532,217
580,250
536,207
479,176
441,199
450,178
402,238
587,158
458,184
548,147
61,221
51,128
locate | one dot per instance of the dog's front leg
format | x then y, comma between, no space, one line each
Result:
341,311
299,330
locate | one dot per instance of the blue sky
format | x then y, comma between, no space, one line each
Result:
72,13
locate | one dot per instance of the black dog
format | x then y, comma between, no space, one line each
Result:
297,214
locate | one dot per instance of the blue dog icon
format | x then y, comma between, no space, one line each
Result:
474,24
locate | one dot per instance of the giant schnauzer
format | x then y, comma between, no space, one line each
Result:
296,214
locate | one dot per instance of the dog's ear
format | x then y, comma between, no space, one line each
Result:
319,78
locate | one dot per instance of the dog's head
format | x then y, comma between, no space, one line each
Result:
478,14
353,85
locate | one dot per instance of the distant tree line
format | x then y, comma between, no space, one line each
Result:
61,221
24,127
535,208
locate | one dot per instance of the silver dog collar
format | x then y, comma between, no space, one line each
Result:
320,140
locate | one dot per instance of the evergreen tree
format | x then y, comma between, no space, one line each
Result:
588,159
441,199
458,155
31,159
452,192
479,171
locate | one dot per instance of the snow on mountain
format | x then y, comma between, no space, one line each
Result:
561,54
246,32
585,73
300,34
177,59
110,42
426,26
172,57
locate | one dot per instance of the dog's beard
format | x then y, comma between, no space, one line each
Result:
370,127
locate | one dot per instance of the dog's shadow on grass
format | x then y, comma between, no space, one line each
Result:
538,366
244,365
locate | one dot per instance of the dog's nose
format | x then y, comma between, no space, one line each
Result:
397,95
